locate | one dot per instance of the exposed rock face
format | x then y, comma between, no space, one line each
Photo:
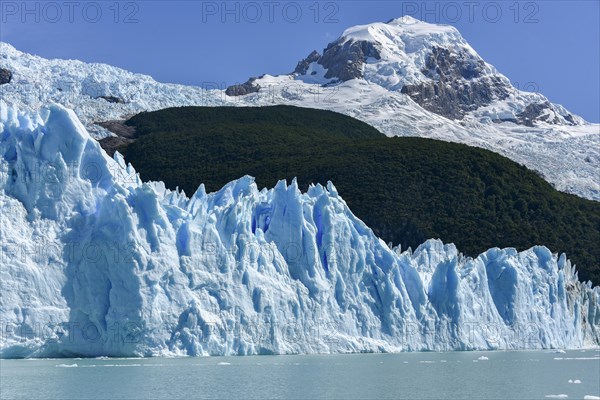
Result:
243,89
113,144
345,59
5,76
444,64
457,84
125,136
539,112
303,65
452,99
119,128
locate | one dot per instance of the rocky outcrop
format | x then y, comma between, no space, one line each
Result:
125,135
541,112
344,59
452,99
243,89
119,128
458,84
302,67
443,64
113,144
5,76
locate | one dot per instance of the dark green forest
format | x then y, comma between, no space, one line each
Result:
406,189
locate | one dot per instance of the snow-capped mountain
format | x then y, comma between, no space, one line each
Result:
435,67
411,78
95,262
397,97
404,77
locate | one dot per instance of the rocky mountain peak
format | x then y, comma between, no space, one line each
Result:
432,64
302,66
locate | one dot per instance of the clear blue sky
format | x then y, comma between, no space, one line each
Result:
550,45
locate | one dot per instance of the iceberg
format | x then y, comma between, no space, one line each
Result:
95,262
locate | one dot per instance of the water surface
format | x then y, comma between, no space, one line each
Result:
457,375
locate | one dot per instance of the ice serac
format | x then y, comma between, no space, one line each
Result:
96,92
95,262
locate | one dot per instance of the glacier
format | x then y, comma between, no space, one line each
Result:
96,262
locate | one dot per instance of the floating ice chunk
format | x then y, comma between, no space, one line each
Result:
66,366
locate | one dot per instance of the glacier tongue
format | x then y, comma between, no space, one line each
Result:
95,262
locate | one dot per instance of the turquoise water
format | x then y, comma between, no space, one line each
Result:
458,375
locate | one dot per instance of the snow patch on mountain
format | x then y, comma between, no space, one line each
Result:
96,262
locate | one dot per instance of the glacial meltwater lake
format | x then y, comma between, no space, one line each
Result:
458,375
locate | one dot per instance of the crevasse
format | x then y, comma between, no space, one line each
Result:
95,262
